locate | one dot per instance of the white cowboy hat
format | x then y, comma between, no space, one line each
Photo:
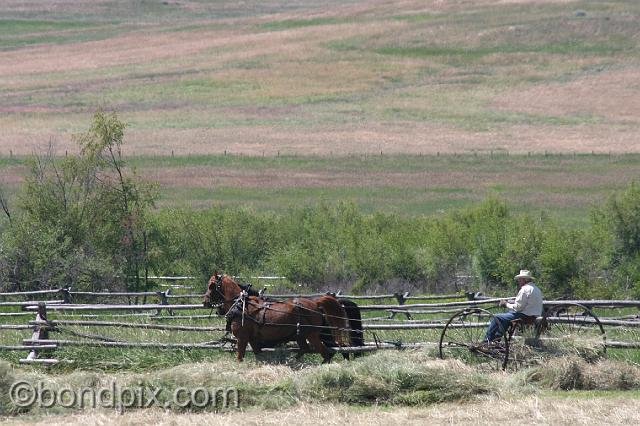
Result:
524,273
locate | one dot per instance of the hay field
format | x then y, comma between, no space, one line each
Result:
329,78
442,393
563,410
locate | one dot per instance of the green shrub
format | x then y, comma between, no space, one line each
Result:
487,230
443,252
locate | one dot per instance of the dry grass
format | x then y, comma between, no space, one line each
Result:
522,398
569,373
611,95
563,410
208,177
418,139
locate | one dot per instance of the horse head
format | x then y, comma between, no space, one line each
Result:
221,291
215,293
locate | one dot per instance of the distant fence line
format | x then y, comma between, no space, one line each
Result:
499,153
171,283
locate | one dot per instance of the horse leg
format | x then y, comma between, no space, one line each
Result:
355,332
328,340
314,339
257,349
304,347
242,347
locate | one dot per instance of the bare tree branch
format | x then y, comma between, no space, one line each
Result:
5,204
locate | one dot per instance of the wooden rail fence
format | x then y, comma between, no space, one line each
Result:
41,326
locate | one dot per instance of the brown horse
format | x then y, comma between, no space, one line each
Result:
264,322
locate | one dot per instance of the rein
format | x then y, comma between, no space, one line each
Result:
241,302
315,311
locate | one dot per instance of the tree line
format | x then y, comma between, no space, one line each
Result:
88,221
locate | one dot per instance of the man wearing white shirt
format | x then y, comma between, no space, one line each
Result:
528,303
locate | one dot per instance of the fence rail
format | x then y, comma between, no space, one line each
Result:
29,293
35,344
86,307
401,297
54,323
41,327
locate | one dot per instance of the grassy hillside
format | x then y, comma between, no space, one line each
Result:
303,77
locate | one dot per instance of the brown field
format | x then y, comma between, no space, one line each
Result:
325,78
208,177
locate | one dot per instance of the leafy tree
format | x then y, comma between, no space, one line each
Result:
613,248
558,260
443,252
88,207
622,214
487,228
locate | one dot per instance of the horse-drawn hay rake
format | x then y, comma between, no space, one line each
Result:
563,328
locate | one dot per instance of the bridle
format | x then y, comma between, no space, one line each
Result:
218,289
218,286
238,301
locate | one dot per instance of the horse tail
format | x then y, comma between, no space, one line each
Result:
335,316
354,316
327,335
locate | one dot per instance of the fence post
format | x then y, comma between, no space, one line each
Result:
40,330
401,298
66,295
164,300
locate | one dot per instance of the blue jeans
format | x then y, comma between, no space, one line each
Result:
500,324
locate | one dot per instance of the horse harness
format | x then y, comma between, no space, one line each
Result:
239,311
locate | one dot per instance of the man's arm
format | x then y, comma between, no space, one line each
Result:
521,301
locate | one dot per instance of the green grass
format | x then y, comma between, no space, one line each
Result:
16,27
565,187
484,120
21,33
481,162
399,201
485,175
572,47
301,23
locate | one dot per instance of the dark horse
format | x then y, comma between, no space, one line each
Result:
265,322
356,333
